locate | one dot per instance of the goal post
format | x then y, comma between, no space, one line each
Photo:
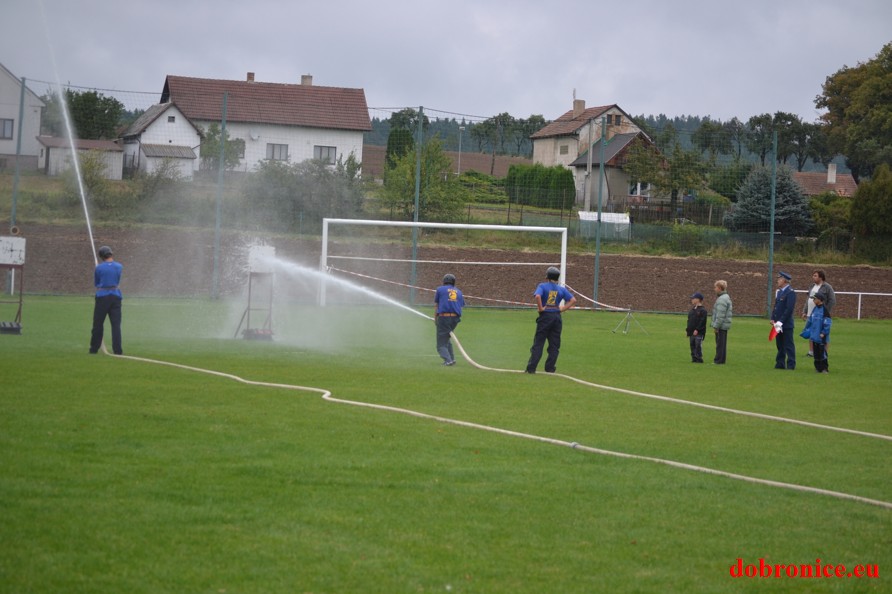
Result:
323,258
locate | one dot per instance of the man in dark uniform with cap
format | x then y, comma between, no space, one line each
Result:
552,298
784,306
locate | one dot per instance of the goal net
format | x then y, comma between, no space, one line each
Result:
407,261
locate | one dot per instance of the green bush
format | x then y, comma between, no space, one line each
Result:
705,198
875,248
687,239
537,185
92,169
834,239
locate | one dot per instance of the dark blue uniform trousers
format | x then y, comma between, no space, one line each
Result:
786,349
110,306
548,327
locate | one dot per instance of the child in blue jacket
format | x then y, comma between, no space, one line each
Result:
818,325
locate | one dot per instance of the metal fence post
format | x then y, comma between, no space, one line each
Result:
219,210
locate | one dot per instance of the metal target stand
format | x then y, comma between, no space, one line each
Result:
628,322
12,258
261,275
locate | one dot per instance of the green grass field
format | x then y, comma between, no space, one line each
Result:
124,476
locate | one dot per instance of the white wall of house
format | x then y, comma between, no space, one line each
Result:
164,131
557,150
184,168
60,161
300,141
10,94
615,186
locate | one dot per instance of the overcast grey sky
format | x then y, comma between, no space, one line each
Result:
478,57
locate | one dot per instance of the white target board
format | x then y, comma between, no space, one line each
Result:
260,258
12,251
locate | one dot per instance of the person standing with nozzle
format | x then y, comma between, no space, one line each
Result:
107,278
449,302
551,300
722,311
784,306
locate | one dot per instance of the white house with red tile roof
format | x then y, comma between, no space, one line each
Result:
55,156
283,122
162,133
10,95
565,141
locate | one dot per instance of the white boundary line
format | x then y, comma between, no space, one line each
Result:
327,395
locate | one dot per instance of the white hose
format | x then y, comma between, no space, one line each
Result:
326,395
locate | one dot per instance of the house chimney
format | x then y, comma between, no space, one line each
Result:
831,174
306,80
250,77
578,107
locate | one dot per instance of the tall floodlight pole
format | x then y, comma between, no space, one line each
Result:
13,230
771,224
419,135
598,228
460,130
220,169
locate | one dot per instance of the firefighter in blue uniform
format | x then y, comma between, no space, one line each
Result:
784,306
551,300
449,302
107,278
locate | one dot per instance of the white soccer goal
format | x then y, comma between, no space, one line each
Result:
324,258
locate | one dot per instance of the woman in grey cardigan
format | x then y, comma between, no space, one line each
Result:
721,320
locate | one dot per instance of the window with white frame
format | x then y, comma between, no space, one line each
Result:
277,152
328,154
6,127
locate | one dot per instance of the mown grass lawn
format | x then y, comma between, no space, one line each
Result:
124,476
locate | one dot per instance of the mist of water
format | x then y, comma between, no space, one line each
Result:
297,270
355,321
69,130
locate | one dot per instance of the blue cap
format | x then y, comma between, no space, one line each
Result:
697,295
785,275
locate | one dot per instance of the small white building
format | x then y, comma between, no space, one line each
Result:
277,121
55,155
10,98
162,134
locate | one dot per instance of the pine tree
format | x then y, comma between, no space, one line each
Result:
792,215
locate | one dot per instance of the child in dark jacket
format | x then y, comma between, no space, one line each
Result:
696,327
818,326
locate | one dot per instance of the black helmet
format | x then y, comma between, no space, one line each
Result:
105,252
553,273
449,279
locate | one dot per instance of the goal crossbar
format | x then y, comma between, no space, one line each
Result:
323,258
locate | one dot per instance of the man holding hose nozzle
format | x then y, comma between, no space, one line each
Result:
448,302
107,278
551,299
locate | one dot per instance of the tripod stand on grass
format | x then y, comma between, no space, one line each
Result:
628,322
